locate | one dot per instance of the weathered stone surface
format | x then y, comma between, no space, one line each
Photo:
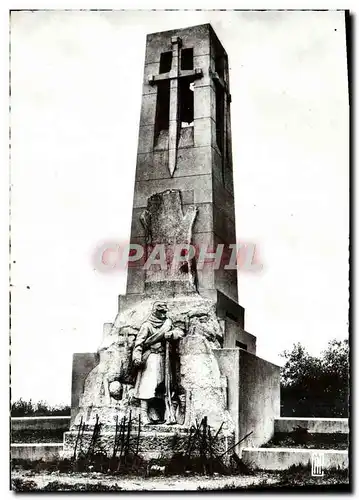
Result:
259,396
253,394
152,166
190,313
190,162
193,161
148,109
204,102
223,226
154,443
166,224
228,179
217,165
186,138
149,70
204,132
226,281
223,199
205,386
202,186
197,37
135,280
202,223
146,138
313,425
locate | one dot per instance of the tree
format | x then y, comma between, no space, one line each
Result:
316,386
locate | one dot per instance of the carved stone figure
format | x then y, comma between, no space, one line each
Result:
151,355
166,224
206,324
110,378
200,375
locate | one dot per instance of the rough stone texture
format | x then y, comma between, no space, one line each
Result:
190,162
206,388
253,394
313,425
106,388
204,379
201,185
166,224
276,459
95,397
160,441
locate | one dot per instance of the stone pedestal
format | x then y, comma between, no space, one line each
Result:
156,441
233,388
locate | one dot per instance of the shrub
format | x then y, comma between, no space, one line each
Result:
22,408
314,386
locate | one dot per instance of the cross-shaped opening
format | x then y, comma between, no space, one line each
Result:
162,112
165,62
186,102
187,59
219,65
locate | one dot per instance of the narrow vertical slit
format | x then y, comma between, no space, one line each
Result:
165,62
186,102
162,112
219,116
187,59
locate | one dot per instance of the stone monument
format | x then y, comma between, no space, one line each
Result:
177,350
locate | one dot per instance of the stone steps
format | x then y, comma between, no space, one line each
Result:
36,451
274,459
271,458
40,423
313,425
281,458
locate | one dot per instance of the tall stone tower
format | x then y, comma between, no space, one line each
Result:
183,199
185,154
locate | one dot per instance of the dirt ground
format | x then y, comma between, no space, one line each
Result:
83,481
177,483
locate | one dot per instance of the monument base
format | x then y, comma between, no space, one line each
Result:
151,442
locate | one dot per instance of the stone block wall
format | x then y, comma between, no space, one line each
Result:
82,364
253,394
